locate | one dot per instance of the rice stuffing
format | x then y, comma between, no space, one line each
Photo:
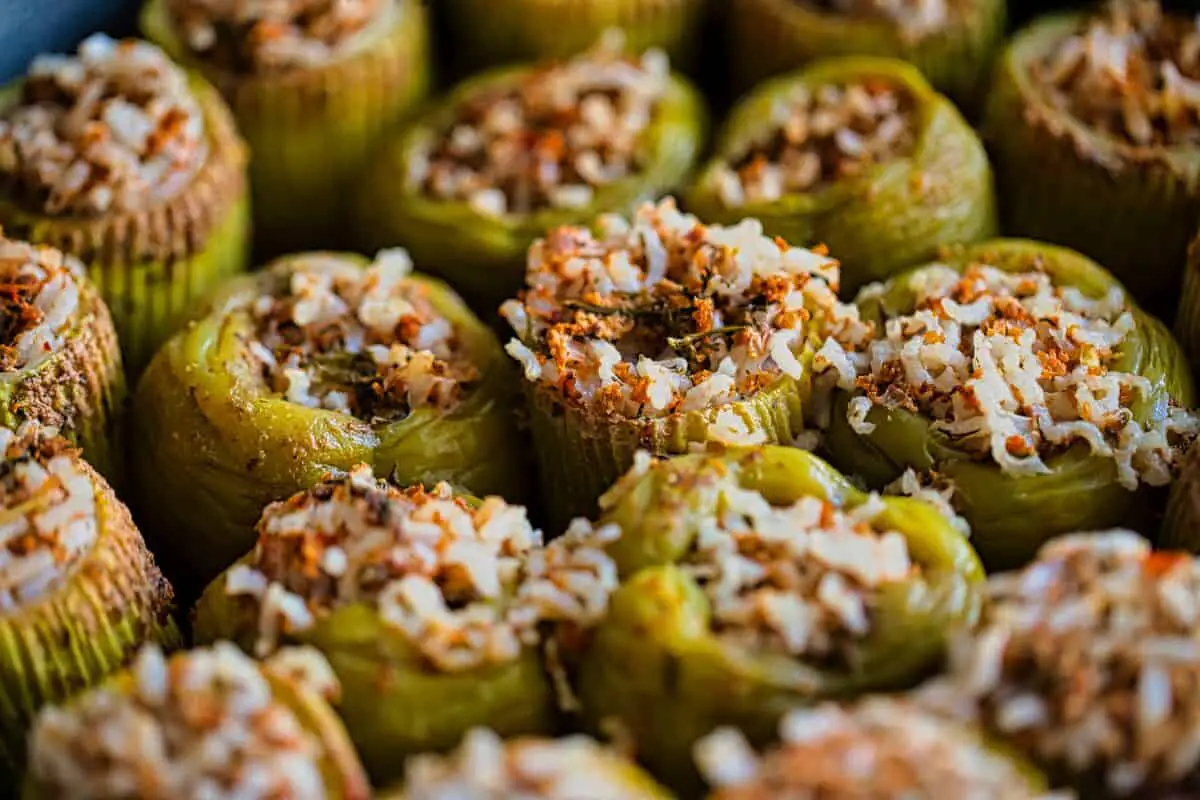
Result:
39,304
49,522
485,767
1132,72
879,747
368,342
816,136
203,723
551,138
915,18
114,127
278,35
662,314
1088,660
1013,369
468,586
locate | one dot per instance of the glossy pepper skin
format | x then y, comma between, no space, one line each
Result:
655,668
1011,516
82,630
212,446
891,216
767,37
1134,209
152,265
311,131
343,775
484,256
1187,317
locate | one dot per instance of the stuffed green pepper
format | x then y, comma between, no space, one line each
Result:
319,362
1187,316
1026,376
859,154
1181,522
1086,662
433,609
661,332
206,723
484,33
529,768
879,747
511,153
953,42
114,155
314,85
60,365
79,591
757,580
1093,126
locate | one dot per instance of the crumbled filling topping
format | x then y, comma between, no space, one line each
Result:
467,585
877,748
1132,72
48,522
549,139
664,314
366,342
932,489
39,298
818,136
486,768
277,35
1089,660
913,17
1013,368
113,128
203,724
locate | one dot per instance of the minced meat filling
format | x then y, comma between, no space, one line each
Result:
39,302
914,17
1132,72
552,138
367,342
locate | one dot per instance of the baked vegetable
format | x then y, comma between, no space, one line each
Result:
511,153
205,723
529,768
879,747
1086,662
1023,374
1187,317
115,156
432,609
78,589
859,154
658,333
319,362
314,85
1093,127
756,581
952,42
484,33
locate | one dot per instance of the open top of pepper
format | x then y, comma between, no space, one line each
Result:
915,18
1131,72
366,342
276,35
39,298
113,128
548,138
467,584
663,314
1011,368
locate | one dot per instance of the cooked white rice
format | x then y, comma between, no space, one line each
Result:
113,128
40,303
1132,72
203,724
278,35
467,586
663,314
484,767
877,748
932,489
1088,660
550,139
49,520
365,342
816,136
916,18
1013,369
